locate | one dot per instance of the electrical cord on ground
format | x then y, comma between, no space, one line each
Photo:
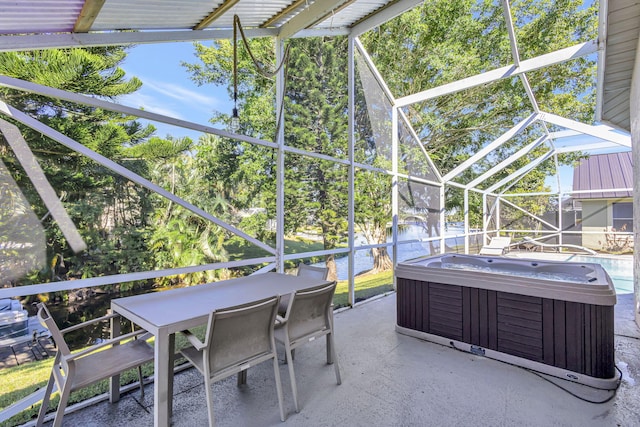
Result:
613,391
627,336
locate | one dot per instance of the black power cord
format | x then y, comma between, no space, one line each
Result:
613,391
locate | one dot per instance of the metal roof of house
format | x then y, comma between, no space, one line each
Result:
613,171
619,31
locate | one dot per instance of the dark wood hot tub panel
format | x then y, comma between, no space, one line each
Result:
569,335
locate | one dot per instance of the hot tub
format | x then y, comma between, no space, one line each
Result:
552,317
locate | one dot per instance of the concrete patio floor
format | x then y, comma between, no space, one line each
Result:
389,379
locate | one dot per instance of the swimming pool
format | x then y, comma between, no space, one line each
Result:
620,268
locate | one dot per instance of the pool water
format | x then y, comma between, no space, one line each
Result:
619,268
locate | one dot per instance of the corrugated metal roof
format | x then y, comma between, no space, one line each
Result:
604,172
69,16
622,29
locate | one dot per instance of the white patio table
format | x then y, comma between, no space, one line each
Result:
165,313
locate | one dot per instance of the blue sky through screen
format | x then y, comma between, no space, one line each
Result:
167,88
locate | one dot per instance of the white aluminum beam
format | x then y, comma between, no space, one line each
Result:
520,172
567,133
45,190
59,41
414,135
506,162
541,61
280,158
351,214
490,147
601,190
587,147
386,14
80,40
67,285
546,193
607,135
603,14
110,106
374,70
506,12
308,17
537,218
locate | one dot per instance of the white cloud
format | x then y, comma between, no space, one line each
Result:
193,98
152,104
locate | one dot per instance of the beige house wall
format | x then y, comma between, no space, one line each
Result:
597,221
596,214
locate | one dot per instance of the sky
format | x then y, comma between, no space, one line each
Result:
167,88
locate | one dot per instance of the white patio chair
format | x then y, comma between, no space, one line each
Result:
309,316
303,270
236,339
73,371
497,246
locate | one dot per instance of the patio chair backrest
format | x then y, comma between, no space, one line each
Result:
238,335
45,319
499,242
310,271
310,312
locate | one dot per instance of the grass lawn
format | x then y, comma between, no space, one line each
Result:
241,249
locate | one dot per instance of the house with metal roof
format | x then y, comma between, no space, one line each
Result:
603,187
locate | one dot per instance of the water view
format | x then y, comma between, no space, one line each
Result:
363,261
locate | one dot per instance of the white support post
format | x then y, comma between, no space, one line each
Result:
394,187
280,181
497,213
442,221
466,221
485,218
351,191
561,234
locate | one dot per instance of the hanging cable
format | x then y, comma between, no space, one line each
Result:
266,73
235,119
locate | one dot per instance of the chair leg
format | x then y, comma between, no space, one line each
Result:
242,377
276,372
292,375
329,338
333,357
64,398
141,382
293,355
209,396
45,401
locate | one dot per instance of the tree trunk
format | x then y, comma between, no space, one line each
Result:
333,269
376,234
